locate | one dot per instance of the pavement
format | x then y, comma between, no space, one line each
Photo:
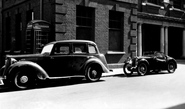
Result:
115,71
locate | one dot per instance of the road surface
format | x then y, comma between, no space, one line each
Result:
154,91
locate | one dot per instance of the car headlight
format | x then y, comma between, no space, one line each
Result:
12,61
129,60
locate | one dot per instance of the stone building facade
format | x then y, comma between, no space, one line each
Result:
121,28
112,24
0,30
161,26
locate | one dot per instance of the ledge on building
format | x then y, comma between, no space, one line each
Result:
115,65
116,52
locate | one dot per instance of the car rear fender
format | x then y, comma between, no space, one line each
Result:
98,62
143,60
38,70
172,60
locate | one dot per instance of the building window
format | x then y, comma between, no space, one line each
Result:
115,31
157,2
18,29
177,4
29,15
8,33
85,23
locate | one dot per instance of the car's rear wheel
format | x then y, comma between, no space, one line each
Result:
142,68
127,69
23,80
93,73
171,67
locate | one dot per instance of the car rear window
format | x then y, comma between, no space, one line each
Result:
61,49
79,48
92,49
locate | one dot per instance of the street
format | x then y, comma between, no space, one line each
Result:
153,91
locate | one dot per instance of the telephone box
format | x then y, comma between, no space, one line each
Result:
37,35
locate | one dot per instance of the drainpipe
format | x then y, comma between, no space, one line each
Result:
41,9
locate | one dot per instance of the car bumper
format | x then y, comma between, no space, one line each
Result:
1,82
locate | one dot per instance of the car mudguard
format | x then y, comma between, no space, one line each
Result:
40,72
143,60
97,61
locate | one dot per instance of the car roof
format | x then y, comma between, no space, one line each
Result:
72,41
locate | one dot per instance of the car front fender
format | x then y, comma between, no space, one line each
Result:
97,61
143,60
40,72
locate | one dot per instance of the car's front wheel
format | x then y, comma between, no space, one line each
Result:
171,67
23,80
127,69
142,68
93,73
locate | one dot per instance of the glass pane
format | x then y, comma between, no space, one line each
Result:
92,49
115,40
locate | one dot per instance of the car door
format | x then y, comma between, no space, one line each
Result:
60,60
80,56
160,60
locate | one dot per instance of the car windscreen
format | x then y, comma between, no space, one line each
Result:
47,49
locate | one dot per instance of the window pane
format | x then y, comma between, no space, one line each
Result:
115,30
115,19
79,48
61,49
84,33
84,16
85,23
92,49
115,40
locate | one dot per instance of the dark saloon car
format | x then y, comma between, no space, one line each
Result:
150,61
59,59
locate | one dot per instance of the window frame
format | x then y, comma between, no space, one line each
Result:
87,13
58,45
119,28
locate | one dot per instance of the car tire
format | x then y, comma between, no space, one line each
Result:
93,73
23,80
127,69
171,67
142,68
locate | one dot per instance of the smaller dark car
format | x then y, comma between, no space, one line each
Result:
58,59
150,61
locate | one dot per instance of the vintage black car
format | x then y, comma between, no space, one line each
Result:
150,62
58,59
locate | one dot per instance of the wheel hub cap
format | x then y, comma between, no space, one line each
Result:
142,69
171,67
24,79
94,73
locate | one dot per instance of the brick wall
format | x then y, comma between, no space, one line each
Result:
62,15
65,26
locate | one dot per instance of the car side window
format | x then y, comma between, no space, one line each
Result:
92,49
61,49
79,48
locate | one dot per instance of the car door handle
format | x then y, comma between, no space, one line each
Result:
52,58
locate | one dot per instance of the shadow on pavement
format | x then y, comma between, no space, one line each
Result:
135,74
49,84
180,61
180,106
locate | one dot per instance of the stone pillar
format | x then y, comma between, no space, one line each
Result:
162,39
139,40
166,41
183,44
